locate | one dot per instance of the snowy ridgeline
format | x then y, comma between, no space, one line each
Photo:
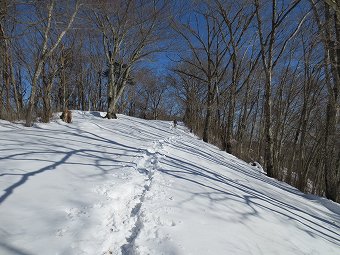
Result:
131,186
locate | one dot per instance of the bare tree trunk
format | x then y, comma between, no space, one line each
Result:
243,118
332,55
112,92
268,70
231,111
47,110
63,84
208,115
1,102
268,157
6,67
16,96
31,102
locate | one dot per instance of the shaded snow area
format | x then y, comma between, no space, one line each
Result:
131,186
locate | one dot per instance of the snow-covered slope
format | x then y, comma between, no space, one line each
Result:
131,186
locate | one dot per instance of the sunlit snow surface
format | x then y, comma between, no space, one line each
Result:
132,186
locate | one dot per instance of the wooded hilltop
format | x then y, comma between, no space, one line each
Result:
259,79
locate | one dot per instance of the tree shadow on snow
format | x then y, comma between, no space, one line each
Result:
8,249
219,185
40,142
39,149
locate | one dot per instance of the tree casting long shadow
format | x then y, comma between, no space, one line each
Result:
189,171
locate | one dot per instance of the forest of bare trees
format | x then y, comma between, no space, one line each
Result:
259,79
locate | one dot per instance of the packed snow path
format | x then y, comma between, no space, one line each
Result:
131,186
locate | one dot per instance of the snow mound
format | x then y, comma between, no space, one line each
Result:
257,166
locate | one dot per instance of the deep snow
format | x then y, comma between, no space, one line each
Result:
131,186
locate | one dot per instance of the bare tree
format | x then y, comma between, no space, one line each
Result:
7,25
329,27
130,30
207,56
46,49
237,20
270,56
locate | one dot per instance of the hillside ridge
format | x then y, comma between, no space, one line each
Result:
133,186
